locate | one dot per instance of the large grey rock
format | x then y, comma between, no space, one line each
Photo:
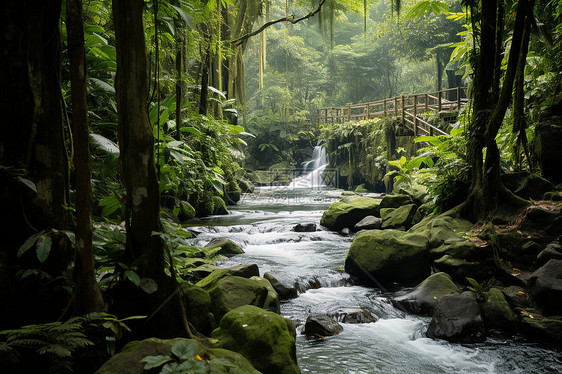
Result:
266,339
518,297
388,256
321,325
285,292
368,223
424,298
457,319
460,268
348,213
553,251
545,285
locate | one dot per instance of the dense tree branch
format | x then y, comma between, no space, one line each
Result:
290,18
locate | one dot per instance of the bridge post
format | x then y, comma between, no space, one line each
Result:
384,107
403,107
415,116
348,113
439,95
458,98
395,106
426,102
368,111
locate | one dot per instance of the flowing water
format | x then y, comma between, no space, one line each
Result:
262,225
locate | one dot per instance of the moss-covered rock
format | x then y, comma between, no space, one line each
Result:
265,338
496,311
388,256
231,292
361,188
245,271
398,218
545,328
348,213
460,268
395,201
224,247
219,206
205,205
129,360
424,298
442,228
198,308
232,192
465,249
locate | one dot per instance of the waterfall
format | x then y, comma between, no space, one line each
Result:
312,170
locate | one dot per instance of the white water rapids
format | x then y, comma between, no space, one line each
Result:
262,225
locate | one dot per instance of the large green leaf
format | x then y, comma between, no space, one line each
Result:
185,349
155,361
44,244
29,242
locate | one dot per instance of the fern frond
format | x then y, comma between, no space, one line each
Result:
55,350
75,342
66,327
5,347
26,342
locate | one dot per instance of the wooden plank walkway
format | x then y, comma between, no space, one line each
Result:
407,108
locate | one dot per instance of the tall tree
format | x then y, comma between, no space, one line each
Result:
487,191
87,297
34,187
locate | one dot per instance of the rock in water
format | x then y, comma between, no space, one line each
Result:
305,227
457,319
348,213
266,339
368,223
226,247
284,292
320,325
388,256
424,298
496,311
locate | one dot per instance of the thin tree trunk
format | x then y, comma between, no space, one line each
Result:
87,298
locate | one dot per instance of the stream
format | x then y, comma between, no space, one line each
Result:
262,225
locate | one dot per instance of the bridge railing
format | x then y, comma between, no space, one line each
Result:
406,107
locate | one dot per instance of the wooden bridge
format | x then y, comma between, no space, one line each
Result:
407,108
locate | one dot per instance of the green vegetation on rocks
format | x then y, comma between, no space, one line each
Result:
347,213
388,256
265,338
136,355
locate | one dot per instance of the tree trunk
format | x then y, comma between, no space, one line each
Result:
32,147
136,141
87,297
486,192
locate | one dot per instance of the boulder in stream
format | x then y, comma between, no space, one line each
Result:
285,292
355,315
321,325
457,318
305,227
496,311
244,271
395,201
226,247
348,213
368,223
388,256
231,292
424,298
265,338
398,218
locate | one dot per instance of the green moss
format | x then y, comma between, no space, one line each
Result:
129,360
265,338
219,206
388,256
347,213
